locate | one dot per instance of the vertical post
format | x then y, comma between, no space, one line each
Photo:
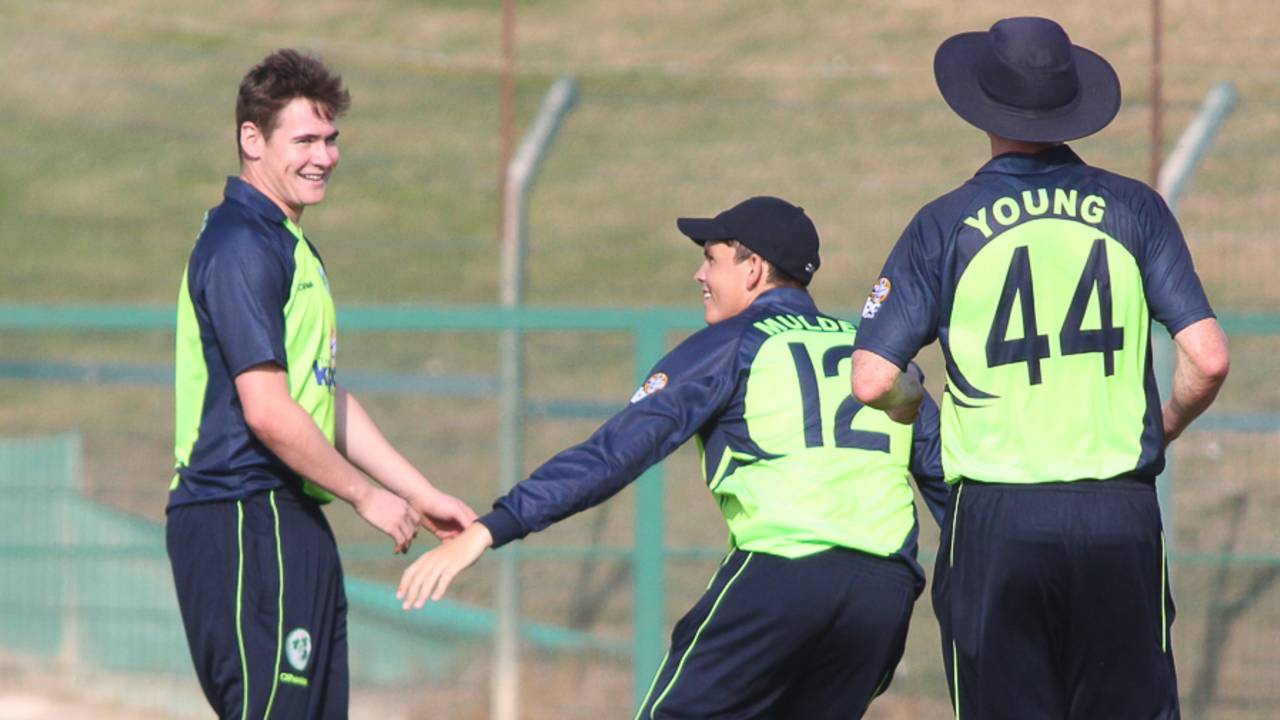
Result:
648,576
506,104
520,172
1157,91
505,683
67,493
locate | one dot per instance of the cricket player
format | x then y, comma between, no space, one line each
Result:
1040,276
807,616
265,435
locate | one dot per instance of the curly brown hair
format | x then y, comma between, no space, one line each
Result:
278,79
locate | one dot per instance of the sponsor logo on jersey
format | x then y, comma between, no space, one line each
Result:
297,648
879,293
327,376
656,382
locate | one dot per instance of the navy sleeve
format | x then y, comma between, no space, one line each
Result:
901,313
926,460
244,288
689,387
1169,279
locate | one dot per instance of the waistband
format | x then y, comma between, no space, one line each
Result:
1121,483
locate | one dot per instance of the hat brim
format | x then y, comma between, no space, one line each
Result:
955,68
703,230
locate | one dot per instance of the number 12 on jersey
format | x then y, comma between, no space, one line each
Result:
811,399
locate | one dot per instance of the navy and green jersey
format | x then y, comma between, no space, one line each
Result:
254,291
796,465
1040,277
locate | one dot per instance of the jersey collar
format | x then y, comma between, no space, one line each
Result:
792,299
251,197
1023,164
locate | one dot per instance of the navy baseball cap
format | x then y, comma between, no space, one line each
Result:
770,227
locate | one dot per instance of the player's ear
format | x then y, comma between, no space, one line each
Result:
757,271
252,140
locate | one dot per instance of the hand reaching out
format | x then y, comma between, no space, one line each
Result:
429,576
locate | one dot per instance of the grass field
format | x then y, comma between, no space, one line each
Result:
117,133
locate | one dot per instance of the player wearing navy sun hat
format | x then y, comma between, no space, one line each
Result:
1040,277
807,615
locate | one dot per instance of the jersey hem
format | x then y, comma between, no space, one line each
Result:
1182,323
898,359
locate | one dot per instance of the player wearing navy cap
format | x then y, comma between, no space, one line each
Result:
807,616
1040,277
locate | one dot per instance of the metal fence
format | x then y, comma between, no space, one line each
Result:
89,587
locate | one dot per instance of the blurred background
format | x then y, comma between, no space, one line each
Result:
117,133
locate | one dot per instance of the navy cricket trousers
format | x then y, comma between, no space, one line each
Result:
1054,604
800,639
261,593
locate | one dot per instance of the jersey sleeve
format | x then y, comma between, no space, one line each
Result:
926,459
901,313
690,386
244,288
1169,278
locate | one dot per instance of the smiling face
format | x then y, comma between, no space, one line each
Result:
292,166
729,285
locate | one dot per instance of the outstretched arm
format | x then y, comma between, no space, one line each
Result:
689,386
360,441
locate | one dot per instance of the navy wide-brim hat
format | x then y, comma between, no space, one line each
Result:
1024,80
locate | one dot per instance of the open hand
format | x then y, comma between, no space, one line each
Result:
429,576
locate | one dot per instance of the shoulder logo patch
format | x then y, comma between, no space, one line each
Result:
297,648
656,382
879,293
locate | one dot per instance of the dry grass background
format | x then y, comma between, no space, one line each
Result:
117,132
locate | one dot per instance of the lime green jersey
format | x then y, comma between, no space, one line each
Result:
1040,277
254,292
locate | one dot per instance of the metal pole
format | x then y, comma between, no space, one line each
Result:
519,178
1172,182
649,594
1157,91
506,103
504,689
1195,141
